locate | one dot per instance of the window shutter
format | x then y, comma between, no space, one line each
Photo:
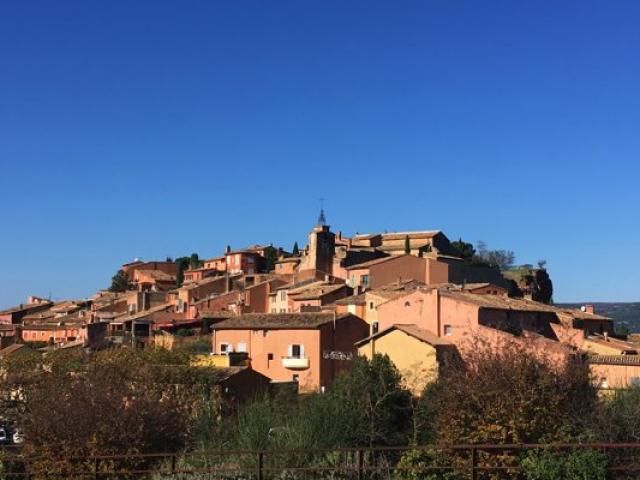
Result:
302,351
290,351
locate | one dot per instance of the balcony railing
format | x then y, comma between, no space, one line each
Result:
295,363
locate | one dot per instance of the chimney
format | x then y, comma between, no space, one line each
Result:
590,308
326,278
606,336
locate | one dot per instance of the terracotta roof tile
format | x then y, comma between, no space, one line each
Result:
263,321
414,331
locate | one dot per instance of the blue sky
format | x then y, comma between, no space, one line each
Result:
147,129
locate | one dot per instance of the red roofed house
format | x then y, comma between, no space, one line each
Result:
308,348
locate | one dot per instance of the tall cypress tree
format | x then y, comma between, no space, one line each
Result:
407,245
296,250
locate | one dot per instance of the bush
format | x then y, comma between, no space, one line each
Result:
543,464
510,395
419,464
579,464
112,402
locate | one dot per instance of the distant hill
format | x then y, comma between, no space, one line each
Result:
627,314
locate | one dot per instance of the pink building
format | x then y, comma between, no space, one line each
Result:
308,348
382,271
467,319
244,261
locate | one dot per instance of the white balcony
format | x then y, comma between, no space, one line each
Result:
295,363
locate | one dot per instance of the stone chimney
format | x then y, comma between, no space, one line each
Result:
590,308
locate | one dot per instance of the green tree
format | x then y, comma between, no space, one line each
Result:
407,245
195,262
465,249
270,257
120,282
376,408
183,264
296,249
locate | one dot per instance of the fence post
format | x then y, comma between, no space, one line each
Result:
474,462
360,460
260,465
95,468
173,463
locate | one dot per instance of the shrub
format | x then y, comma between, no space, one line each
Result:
420,464
113,402
578,464
511,395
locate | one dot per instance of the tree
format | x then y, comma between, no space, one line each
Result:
375,407
195,262
407,245
120,282
513,395
270,257
542,264
183,264
111,402
502,259
296,250
465,249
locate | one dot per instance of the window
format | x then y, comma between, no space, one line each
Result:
447,330
407,304
274,310
283,295
296,377
364,280
296,351
370,305
242,347
225,348
269,356
374,327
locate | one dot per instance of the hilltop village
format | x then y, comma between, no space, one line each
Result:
270,316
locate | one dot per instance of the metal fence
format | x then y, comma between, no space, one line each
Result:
434,462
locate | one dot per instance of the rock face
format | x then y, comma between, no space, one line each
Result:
531,283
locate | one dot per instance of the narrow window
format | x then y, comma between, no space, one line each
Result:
447,330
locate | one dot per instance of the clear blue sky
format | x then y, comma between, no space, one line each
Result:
147,129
